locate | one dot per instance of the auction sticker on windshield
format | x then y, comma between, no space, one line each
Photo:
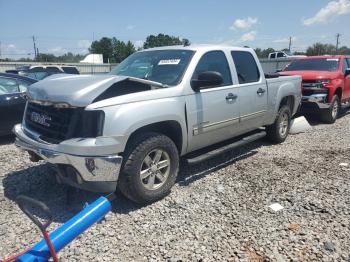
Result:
169,62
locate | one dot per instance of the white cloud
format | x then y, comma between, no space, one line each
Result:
250,36
58,50
130,27
284,40
138,43
12,51
331,10
84,45
245,23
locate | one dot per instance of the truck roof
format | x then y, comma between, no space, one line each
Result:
201,47
325,56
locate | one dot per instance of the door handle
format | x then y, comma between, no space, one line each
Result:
260,91
231,96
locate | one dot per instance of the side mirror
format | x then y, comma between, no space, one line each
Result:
207,79
347,72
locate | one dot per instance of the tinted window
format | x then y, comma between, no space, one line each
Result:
316,64
345,65
348,60
8,86
36,69
280,55
70,70
52,69
247,69
163,66
214,61
273,55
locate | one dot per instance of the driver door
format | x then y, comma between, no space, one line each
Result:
213,113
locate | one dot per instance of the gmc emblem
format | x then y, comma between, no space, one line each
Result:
40,118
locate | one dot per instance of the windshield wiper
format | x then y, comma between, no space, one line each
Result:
148,82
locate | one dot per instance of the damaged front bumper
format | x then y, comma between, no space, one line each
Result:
97,173
314,103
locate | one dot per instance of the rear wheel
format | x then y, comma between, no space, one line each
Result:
150,169
278,131
330,115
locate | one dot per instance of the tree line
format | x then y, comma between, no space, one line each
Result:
115,50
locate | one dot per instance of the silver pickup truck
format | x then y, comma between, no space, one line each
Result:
130,127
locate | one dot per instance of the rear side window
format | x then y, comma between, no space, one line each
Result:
53,69
70,70
214,61
348,60
247,69
36,69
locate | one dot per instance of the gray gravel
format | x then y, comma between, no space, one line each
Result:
218,210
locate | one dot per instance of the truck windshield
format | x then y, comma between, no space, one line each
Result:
315,64
163,66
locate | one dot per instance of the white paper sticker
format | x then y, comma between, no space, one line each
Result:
276,207
169,62
333,59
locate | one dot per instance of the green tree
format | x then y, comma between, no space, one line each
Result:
320,49
103,46
162,40
121,50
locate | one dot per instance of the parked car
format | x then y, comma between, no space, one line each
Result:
40,72
283,54
130,127
326,84
12,102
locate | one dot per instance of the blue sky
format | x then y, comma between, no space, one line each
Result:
61,26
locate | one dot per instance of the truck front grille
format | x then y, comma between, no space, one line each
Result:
310,87
55,125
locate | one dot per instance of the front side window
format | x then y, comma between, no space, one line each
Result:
273,55
246,67
163,66
8,86
279,55
214,61
314,64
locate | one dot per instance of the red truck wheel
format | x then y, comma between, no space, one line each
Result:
330,115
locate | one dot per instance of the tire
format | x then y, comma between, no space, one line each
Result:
143,154
329,116
278,131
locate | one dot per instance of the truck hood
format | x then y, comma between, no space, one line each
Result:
312,75
80,90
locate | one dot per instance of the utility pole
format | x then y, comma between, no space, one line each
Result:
290,43
35,50
337,45
0,50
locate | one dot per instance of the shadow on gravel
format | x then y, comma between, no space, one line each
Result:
39,182
314,120
5,140
191,173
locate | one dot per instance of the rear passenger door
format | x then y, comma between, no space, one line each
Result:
252,91
213,113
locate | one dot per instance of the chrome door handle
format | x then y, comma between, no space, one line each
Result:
231,96
260,91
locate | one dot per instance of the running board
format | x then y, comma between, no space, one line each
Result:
218,151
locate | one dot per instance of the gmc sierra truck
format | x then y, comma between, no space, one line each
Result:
326,84
130,127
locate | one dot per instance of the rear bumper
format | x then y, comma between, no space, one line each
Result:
91,172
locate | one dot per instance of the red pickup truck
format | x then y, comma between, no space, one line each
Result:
326,84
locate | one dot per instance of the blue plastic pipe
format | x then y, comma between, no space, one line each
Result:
63,235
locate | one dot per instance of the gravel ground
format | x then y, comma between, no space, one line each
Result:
218,210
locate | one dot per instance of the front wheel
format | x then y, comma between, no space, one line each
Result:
330,115
278,131
150,169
